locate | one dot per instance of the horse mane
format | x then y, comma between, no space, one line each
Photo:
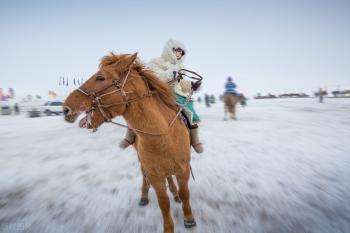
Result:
161,88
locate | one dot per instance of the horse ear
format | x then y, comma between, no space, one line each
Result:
127,62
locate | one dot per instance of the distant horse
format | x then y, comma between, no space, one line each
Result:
124,87
230,101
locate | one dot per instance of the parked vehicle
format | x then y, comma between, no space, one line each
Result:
32,107
5,110
34,112
52,107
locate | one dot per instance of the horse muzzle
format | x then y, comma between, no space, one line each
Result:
68,114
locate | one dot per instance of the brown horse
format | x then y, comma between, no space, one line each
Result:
230,101
124,87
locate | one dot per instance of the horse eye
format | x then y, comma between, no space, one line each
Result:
100,78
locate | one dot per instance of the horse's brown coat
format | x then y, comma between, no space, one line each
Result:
230,101
160,156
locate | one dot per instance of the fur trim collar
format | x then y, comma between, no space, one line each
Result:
168,54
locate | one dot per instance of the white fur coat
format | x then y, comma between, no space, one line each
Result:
167,64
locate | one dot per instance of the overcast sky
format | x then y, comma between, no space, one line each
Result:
266,46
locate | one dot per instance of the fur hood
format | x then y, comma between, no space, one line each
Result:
165,66
168,54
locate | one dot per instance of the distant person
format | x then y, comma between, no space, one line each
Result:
242,100
207,100
230,99
320,95
212,99
167,67
16,108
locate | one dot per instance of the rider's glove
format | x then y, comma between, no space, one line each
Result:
176,76
196,85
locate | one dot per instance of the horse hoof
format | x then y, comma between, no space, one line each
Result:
190,223
143,202
177,199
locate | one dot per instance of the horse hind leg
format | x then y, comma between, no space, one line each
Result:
144,200
173,189
159,186
184,193
234,108
144,192
232,114
226,110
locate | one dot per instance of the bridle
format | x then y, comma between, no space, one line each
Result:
96,99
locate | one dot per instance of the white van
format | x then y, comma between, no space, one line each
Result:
52,107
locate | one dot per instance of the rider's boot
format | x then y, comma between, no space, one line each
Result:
196,144
128,140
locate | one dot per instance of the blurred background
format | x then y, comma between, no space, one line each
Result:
280,165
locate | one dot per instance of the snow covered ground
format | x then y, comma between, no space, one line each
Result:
282,167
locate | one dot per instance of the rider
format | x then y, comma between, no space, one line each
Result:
230,86
167,67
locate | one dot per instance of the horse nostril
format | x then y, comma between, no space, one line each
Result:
66,110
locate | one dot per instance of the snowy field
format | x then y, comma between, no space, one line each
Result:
282,167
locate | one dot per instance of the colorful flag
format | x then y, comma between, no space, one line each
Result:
2,97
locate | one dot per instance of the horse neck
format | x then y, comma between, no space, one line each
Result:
149,115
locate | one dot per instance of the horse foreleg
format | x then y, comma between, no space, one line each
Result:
144,192
164,203
173,189
184,193
234,111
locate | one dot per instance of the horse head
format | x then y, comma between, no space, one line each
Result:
105,94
